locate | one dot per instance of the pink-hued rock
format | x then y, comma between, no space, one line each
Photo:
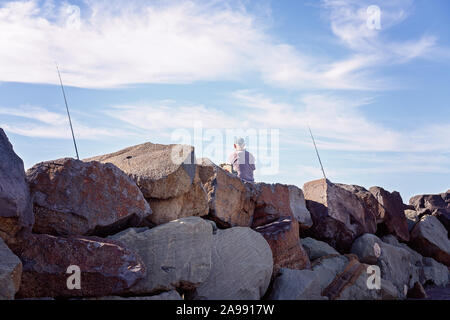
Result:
338,214
72,197
283,238
394,221
16,210
275,201
106,267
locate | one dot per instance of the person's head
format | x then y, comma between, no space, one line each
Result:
239,144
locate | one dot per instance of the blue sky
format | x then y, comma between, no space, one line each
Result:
377,99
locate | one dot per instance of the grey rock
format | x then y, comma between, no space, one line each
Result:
296,285
426,270
177,254
10,272
15,202
359,290
328,267
394,262
242,266
298,207
316,249
430,238
435,273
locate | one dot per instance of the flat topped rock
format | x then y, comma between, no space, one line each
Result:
338,214
161,171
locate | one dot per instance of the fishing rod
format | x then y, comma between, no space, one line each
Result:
68,113
317,152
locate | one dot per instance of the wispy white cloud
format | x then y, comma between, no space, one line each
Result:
38,122
186,41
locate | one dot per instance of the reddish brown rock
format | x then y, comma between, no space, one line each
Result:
430,238
283,238
437,204
374,211
160,171
106,267
231,200
274,201
16,211
72,197
338,214
395,221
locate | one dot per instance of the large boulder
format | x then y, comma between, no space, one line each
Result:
16,211
296,285
317,249
275,201
394,221
242,266
438,204
430,238
10,272
338,214
177,254
395,263
106,268
161,171
73,197
283,238
231,200
167,176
